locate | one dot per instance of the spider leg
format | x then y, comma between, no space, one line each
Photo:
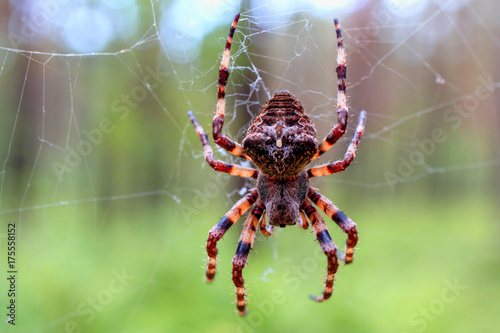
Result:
303,220
240,258
217,165
342,110
219,138
226,222
341,165
342,220
327,245
266,230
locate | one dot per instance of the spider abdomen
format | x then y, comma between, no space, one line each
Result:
282,139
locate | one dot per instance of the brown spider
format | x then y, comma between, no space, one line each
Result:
280,142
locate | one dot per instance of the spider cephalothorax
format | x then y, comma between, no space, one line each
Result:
281,142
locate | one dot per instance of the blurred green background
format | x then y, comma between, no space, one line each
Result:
104,177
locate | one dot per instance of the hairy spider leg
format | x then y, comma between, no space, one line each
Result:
327,245
342,220
226,222
265,229
341,165
217,165
342,109
218,121
240,257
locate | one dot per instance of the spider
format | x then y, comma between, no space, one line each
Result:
280,142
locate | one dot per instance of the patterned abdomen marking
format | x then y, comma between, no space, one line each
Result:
282,139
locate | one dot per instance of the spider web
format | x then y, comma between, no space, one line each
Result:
426,80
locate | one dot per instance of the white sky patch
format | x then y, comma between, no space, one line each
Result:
184,24
118,4
343,5
83,26
90,30
406,8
